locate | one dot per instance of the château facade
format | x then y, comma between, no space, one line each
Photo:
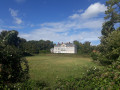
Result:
64,48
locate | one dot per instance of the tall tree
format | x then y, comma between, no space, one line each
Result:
113,11
112,16
109,47
107,28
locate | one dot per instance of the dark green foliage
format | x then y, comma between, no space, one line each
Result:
95,56
94,79
28,85
113,10
36,47
11,69
84,48
44,51
11,38
14,68
87,47
110,48
108,27
33,85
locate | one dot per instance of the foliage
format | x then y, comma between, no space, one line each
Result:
110,49
113,10
84,48
36,47
29,85
11,38
106,78
14,68
95,55
108,27
110,46
44,51
94,79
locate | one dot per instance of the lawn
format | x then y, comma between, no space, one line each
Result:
50,67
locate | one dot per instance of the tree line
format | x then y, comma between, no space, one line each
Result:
84,48
36,47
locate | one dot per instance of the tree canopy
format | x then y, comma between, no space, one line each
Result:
109,46
11,58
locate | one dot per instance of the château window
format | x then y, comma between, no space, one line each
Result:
62,49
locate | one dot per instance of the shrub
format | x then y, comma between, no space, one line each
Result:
110,48
94,79
14,68
95,56
27,85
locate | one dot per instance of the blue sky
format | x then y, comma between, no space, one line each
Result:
55,20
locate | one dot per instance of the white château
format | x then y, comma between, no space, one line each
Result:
64,48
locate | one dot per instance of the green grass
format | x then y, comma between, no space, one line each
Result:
49,67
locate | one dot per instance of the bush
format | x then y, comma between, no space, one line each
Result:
94,79
14,68
110,48
95,56
27,85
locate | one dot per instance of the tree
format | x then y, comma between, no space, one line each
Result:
35,47
112,16
77,44
83,48
113,11
109,46
11,58
87,47
108,27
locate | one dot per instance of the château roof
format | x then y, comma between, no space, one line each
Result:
66,44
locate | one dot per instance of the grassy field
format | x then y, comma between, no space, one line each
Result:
50,67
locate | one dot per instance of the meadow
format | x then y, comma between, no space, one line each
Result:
50,67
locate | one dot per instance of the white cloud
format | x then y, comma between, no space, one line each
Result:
14,14
72,25
18,20
93,10
74,16
93,24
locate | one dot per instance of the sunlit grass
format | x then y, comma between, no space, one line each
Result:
49,67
